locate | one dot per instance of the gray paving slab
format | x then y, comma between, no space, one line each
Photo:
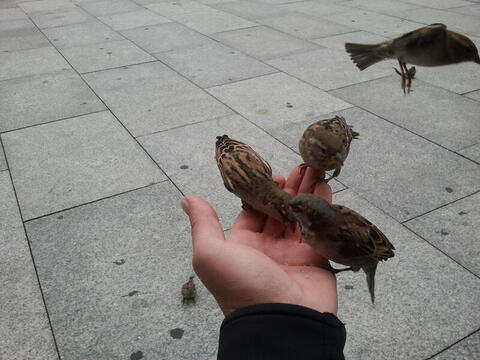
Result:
37,99
14,27
151,97
67,163
472,152
213,64
45,5
23,40
102,8
3,163
105,55
376,23
381,6
383,155
172,155
337,42
24,327
328,69
31,62
454,21
316,8
165,37
305,26
133,19
264,43
415,314
293,101
120,297
81,34
467,349
6,4
435,113
60,17
468,10
12,14
475,95
212,21
251,10
178,7
451,229
440,4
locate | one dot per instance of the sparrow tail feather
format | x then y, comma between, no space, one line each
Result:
364,55
370,271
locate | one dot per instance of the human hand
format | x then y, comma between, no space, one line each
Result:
261,260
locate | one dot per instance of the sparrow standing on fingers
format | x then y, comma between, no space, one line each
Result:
432,45
342,235
325,145
188,290
246,174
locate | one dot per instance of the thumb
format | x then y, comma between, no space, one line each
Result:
207,234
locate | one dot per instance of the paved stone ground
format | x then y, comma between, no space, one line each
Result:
108,114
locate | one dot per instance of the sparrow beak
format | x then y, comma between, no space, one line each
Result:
477,60
340,158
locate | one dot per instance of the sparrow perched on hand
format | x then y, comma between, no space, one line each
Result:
432,45
188,290
325,145
249,176
342,235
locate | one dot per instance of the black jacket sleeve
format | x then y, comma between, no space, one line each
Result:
280,332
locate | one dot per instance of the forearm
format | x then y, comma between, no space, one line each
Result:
281,331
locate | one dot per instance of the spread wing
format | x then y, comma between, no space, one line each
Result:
362,238
422,37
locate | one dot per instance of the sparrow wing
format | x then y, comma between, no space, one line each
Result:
422,37
360,238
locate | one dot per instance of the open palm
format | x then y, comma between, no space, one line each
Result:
261,260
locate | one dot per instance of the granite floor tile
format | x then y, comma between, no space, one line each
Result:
7,4
81,34
316,8
3,163
328,69
451,229
165,37
415,314
24,327
376,23
467,349
293,101
305,26
105,55
468,10
251,10
67,163
475,95
439,4
264,43
454,21
132,278
61,17
133,19
185,167
212,21
435,113
28,101
23,40
103,8
16,27
472,152
213,64
178,7
381,6
384,156
151,97
337,42
12,14
45,5
31,62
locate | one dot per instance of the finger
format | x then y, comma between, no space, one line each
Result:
309,180
324,191
273,227
279,180
249,220
293,181
207,234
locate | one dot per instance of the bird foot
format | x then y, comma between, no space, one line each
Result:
303,168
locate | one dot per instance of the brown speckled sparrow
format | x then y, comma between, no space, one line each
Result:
249,176
188,290
342,235
325,145
432,45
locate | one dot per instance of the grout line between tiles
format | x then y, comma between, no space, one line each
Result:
455,343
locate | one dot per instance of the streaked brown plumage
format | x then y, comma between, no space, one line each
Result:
246,174
342,235
325,144
432,45
189,291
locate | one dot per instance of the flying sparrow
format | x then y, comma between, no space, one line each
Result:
188,290
432,45
246,174
325,145
342,235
